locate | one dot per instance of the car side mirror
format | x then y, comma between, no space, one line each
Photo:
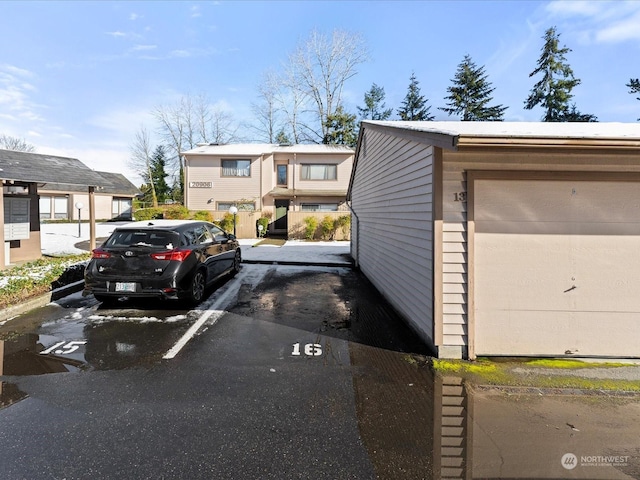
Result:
231,237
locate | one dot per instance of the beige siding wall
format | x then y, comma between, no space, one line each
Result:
392,198
344,165
223,189
103,205
454,258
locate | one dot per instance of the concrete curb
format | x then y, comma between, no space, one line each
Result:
40,301
294,263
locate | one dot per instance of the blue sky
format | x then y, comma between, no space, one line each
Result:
79,78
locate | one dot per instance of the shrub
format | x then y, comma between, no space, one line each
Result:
177,212
264,221
148,214
343,222
327,228
311,224
204,215
226,223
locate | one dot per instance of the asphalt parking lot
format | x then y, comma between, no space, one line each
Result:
295,372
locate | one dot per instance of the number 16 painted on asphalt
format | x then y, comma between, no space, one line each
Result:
310,349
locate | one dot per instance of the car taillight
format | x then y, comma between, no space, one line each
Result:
173,255
100,254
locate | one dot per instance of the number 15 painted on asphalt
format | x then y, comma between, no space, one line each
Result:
64,347
310,349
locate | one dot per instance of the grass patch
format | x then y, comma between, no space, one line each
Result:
534,373
35,278
570,363
271,241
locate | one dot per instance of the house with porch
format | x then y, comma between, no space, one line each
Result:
22,174
58,200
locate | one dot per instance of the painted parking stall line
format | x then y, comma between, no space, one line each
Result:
217,308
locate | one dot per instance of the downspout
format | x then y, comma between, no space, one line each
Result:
295,160
357,245
261,179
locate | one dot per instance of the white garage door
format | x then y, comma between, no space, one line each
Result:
557,267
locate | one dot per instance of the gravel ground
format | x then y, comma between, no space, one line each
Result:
630,373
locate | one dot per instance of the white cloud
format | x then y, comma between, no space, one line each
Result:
195,11
621,31
598,22
134,16
116,34
141,48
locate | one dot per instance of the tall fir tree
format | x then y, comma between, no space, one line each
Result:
634,87
470,94
553,91
374,108
414,105
341,129
159,174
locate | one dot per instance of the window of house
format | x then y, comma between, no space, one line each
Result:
319,207
120,206
242,207
236,168
282,175
319,172
45,208
60,205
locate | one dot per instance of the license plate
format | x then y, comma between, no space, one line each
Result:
125,287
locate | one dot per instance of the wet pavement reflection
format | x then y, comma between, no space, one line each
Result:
411,422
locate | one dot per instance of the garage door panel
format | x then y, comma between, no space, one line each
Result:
550,257
557,201
553,272
518,333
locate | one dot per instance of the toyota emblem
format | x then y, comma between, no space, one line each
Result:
129,253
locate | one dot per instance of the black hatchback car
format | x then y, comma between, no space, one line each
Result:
172,259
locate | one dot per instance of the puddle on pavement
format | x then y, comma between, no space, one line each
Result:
416,424
87,338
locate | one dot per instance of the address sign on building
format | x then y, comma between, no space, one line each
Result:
200,184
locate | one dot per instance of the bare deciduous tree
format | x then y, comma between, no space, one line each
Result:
7,142
322,65
140,161
267,110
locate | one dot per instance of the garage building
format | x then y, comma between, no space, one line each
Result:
499,238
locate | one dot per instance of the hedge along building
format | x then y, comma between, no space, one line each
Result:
496,238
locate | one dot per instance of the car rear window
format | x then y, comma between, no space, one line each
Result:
143,238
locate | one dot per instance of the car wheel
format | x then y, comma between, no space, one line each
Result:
198,284
236,262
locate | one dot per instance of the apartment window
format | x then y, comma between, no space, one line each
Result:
236,168
319,172
319,207
282,175
242,207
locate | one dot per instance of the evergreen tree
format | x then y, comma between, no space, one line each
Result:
634,87
282,138
341,129
573,115
374,108
159,175
414,105
470,94
553,91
